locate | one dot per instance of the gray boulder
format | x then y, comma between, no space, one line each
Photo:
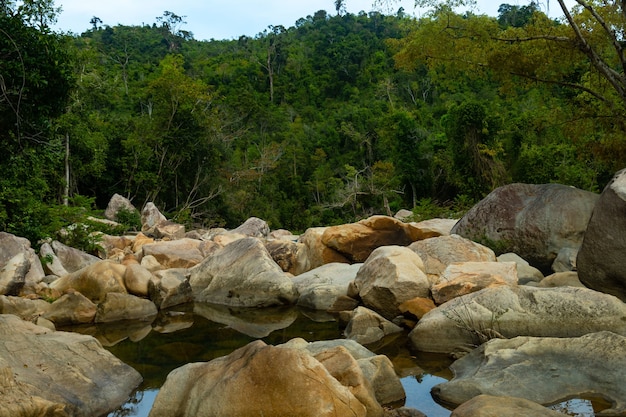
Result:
253,227
52,264
242,274
150,218
13,274
11,246
116,203
533,221
322,286
466,322
542,370
47,373
601,262
72,259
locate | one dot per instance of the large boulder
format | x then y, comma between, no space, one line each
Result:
10,247
24,308
253,227
315,252
13,274
467,277
533,221
242,274
170,287
542,370
378,369
150,218
345,369
501,406
137,280
390,276
94,281
52,264
299,386
356,241
322,286
72,259
288,254
601,262
432,228
117,203
439,252
72,308
47,373
468,321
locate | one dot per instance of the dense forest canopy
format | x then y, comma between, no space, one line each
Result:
333,119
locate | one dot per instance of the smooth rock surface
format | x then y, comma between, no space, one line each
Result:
94,281
463,278
466,322
242,274
60,374
356,241
542,370
601,262
439,252
533,221
390,276
231,385
320,288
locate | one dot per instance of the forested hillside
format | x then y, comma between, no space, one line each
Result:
333,119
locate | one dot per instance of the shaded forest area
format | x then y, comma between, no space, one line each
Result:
336,118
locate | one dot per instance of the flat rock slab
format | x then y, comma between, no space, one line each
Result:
468,321
542,370
48,373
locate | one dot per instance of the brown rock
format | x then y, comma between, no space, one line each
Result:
94,281
467,277
417,306
356,241
299,386
439,252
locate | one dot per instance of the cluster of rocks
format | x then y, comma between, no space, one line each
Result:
475,288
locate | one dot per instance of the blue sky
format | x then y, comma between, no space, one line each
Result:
218,19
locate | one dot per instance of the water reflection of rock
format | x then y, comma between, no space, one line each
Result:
257,323
110,334
172,321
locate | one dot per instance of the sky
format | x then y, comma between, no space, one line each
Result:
219,19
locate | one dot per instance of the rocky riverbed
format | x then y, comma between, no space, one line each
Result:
498,292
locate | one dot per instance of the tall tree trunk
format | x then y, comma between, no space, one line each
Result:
66,191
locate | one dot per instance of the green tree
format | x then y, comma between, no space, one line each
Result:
35,81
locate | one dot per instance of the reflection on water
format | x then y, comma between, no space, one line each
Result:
202,332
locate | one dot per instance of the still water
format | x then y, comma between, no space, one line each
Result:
202,332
